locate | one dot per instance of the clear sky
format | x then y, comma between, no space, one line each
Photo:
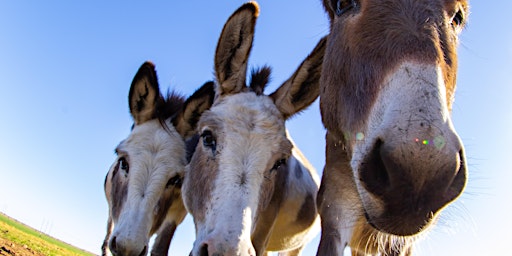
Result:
65,71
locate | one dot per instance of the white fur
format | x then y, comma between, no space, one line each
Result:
251,141
154,156
284,234
395,114
243,150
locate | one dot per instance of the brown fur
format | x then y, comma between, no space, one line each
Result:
197,180
118,192
336,183
292,99
305,215
259,79
417,36
262,117
141,96
268,210
147,104
187,115
367,44
164,204
234,49
163,241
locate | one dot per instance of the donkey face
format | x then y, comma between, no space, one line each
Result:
240,160
240,154
143,186
386,93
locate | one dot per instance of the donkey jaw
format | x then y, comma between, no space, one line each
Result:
410,162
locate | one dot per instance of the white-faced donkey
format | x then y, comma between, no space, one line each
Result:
248,188
143,186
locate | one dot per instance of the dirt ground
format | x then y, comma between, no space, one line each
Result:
10,248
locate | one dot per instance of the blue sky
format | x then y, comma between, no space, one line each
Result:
65,71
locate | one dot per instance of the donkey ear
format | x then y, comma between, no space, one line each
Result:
302,88
144,94
233,49
186,120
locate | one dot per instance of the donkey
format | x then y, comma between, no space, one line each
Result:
143,186
248,188
393,157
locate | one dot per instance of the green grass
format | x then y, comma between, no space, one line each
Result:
36,241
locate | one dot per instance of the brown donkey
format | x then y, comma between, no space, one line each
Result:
393,158
248,188
143,186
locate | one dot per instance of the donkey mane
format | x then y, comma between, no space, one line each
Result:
167,107
260,77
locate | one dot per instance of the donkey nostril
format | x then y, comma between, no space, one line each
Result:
204,250
459,179
462,161
113,245
373,172
144,251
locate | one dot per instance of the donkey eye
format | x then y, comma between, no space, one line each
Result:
278,164
175,181
343,6
209,140
123,164
458,19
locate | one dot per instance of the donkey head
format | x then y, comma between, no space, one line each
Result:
387,87
240,159
143,186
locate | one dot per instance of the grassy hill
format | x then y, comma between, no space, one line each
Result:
19,239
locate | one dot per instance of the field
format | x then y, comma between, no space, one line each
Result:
19,239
